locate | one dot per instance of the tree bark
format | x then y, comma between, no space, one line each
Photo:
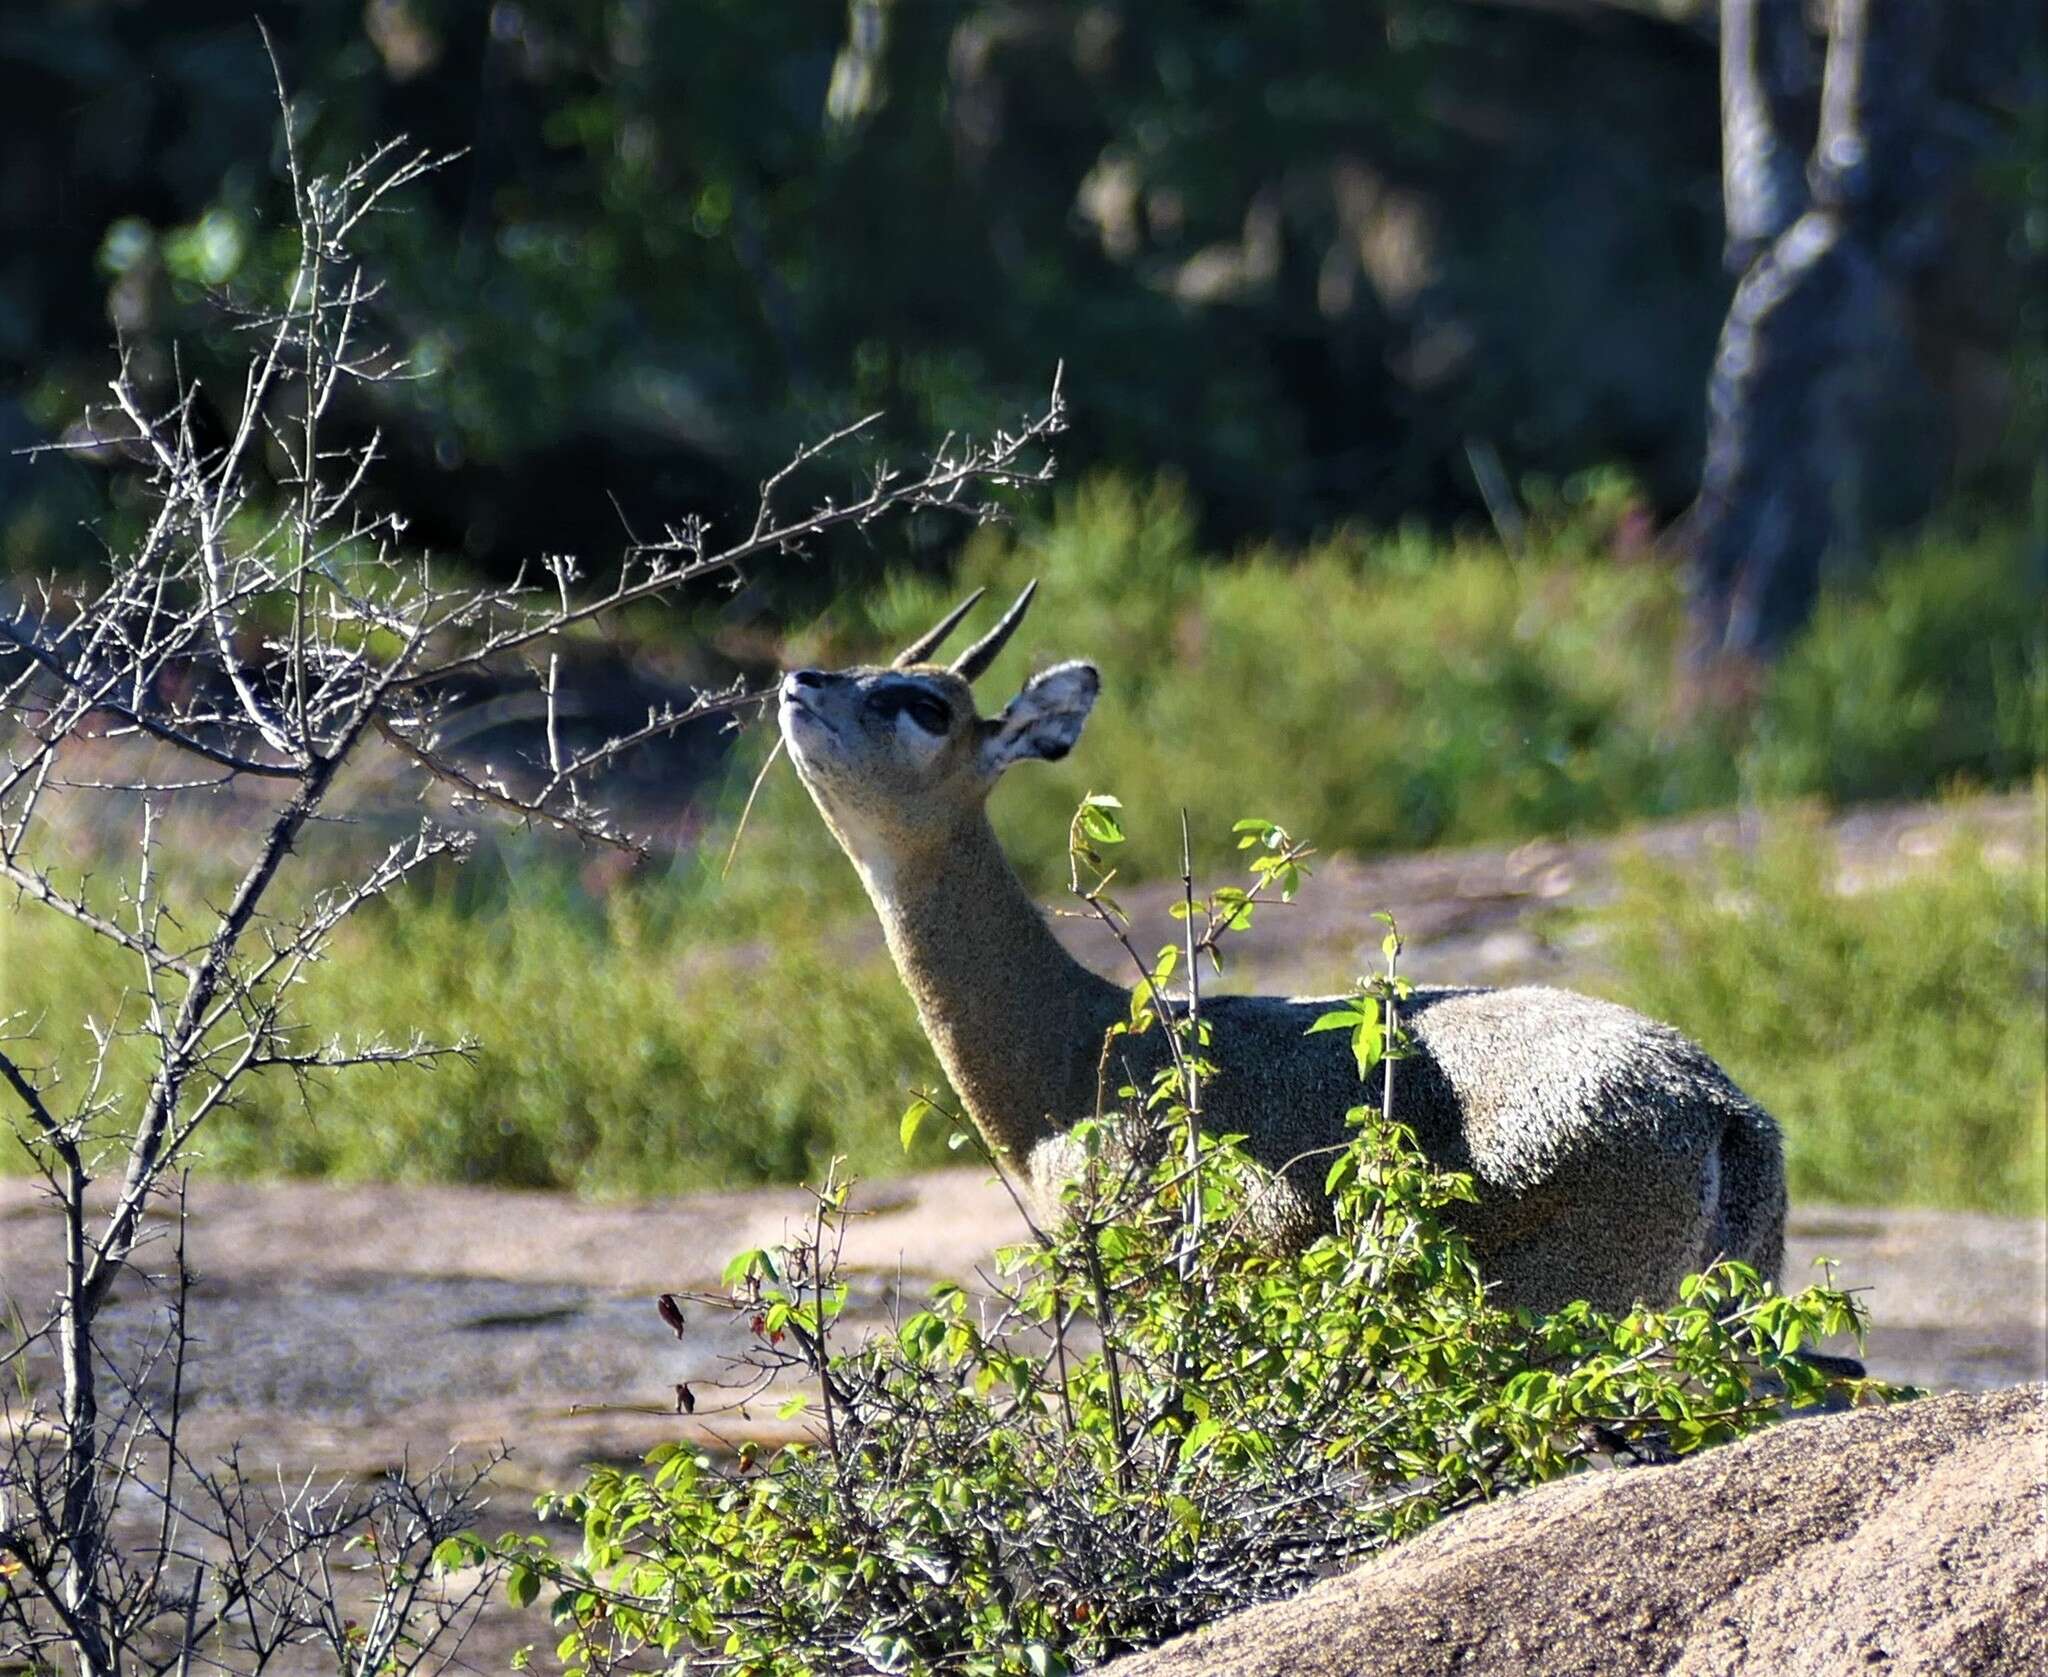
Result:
1824,254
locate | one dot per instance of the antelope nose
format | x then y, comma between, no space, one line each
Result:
798,681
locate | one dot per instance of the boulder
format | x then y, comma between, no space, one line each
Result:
1905,1539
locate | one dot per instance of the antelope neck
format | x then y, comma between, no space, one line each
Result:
1015,1020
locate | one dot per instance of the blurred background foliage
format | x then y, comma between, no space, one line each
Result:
1313,257
1316,269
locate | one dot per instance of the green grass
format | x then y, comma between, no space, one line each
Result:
617,1053
690,1031
1894,1033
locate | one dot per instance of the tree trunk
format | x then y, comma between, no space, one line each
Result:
1824,255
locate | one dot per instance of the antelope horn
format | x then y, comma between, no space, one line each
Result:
929,642
983,652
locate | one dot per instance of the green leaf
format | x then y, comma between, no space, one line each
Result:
1342,1171
913,1115
461,1550
1338,1019
1368,1046
1230,909
522,1584
743,1264
1097,821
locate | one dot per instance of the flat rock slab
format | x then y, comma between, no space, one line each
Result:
1913,1539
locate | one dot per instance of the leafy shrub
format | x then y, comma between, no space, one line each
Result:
1894,1032
1934,668
1150,1419
979,1502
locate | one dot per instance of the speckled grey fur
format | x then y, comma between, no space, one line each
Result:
1611,1156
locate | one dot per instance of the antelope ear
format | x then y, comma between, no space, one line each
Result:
1044,720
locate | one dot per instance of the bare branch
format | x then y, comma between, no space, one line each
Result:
682,556
266,624
39,1114
146,722
494,793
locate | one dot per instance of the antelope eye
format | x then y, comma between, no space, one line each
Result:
933,715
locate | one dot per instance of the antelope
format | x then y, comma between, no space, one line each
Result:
1611,1157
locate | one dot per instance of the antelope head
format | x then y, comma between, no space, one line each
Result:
897,757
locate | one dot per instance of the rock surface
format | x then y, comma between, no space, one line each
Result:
1912,1539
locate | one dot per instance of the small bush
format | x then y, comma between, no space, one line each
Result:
1934,669
978,1503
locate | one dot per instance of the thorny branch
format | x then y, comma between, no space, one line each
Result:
265,632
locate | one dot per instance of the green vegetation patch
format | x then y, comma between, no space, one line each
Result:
618,1047
1400,691
1145,1418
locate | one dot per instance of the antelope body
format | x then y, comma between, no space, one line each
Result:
1611,1156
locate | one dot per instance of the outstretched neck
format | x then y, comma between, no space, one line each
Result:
1016,1021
